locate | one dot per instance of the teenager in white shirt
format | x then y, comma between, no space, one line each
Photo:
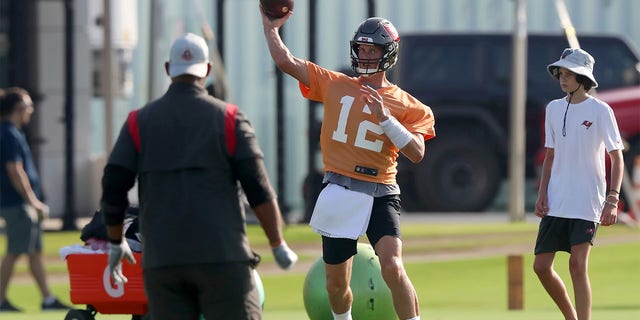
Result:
573,198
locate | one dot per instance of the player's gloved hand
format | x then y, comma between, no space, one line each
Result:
117,252
285,257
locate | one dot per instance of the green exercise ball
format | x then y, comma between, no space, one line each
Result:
260,286
371,296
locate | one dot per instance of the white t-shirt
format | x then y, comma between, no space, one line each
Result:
577,187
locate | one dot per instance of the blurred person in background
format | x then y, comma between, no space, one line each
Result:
21,202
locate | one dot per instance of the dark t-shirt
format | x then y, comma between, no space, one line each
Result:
189,206
14,148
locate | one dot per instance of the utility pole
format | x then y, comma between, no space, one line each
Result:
518,125
153,21
107,90
69,216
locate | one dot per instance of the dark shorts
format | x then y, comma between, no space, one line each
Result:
559,234
24,233
215,290
384,221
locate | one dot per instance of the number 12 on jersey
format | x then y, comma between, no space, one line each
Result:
340,133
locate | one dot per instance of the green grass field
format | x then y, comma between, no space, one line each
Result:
451,289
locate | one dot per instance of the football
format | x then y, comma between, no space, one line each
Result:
276,9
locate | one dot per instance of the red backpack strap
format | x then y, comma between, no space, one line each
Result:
132,124
230,127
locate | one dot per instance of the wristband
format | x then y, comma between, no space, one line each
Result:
397,133
613,190
611,204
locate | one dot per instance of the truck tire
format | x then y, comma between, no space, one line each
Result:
458,174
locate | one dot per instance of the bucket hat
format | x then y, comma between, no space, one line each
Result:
577,61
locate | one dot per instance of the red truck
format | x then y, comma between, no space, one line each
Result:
626,106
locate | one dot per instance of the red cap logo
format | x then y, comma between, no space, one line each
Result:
186,55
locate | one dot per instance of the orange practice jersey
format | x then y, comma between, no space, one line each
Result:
352,141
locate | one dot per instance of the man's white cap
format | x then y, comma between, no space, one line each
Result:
189,55
577,61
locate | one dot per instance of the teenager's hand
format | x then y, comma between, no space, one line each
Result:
609,215
542,208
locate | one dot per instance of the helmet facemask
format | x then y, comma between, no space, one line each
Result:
371,66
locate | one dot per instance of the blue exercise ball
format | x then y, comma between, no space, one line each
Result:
371,296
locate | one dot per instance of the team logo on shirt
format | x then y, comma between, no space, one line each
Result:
587,124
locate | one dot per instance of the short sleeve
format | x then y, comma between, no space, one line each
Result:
9,149
414,115
319,79
548,129
611,133
420,119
